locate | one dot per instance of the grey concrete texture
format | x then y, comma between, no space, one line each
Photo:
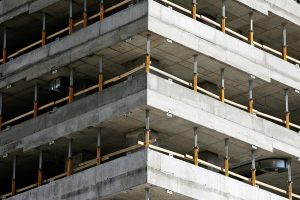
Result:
287,9
223,118
84,42
13,8
83,113
115,176
147,167
223,47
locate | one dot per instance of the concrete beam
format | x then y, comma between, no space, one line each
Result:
222,47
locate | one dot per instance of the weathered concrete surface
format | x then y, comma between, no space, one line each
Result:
147,167
12,8
223,47
287,9
223,118
82,43
89,111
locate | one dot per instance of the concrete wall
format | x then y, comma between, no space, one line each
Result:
12,8
213,114
86,112
287,9
223,47
86,41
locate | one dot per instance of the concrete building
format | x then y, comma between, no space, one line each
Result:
150,99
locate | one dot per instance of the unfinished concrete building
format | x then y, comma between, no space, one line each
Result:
150,99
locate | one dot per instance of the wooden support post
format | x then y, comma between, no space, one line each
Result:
4,52
250,97
250,35
147,130
222,87
13,182
195,74
44,30
100,73
69,160
194,9
290,190
1,104
253,170
71,87
284,43
35,102
287,112
101,12
85,16
290,183
148,58
196,148
226,162
40,170
71,24
99,147
223,24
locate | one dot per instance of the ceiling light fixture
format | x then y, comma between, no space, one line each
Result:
297,91
169,40
169,114
252,76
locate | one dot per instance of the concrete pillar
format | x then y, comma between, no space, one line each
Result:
71,16
195,75
13,182
253,169
148,62
250,35
100,73
85,17
71,87
1,104
101,10
250,97
69,159
284,43
99,147
196,148
223,24
4,51
290,183
194,9
44,30
287,112
147,130
226,164
35,101
222,86
40,170
147,191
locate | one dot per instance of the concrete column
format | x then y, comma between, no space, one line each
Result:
222,86
250,35
101,12
85,17
253,169
35,101
287,112
147,191
148,62
290,183
71,87
69,160
196,148
194,9
4,51
223,24
100,73
13,182
40,170
250,97
226,164
1,104
71,16
44,30
195,75
99,147
147,130
284,43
